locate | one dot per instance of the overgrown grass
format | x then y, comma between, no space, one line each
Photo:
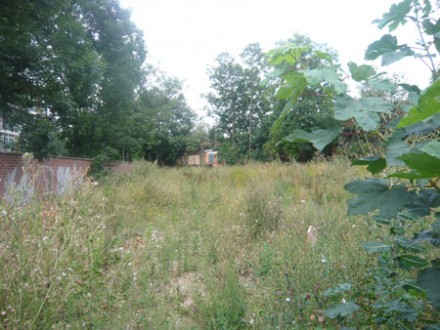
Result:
183,248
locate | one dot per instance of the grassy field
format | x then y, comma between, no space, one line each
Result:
183,248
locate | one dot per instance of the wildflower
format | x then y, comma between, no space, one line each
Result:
287,299
58,278
4,213
251,321
323,259
344,301
303,201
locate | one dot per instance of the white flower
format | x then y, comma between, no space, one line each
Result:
344,301
287,299
303,201
4,213
323,259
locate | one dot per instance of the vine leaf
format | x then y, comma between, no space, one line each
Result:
320,138
388,48
428,279
425,162
396,15
361,72
341,310
431,28
364,111
424,202
380,84
375,163
429,105
386,44
327,74
376,194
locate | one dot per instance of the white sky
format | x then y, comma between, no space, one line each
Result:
185,36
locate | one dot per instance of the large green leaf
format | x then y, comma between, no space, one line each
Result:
386,44
382,85
341,310
401,52
423,204
424,165
429,279
287,108
409,261
431,28
432,148
376,194
396,16
364,111
388,48
374,247
429,105
320,138
327,74
396,148
361,72
375,163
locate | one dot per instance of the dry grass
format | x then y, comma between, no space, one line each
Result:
161,248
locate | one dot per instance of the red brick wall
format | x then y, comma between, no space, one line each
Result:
32,176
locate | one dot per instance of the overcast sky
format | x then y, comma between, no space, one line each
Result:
185,36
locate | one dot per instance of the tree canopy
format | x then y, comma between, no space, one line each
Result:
72,76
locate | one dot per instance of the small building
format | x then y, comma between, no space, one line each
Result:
193,160
8,138
211,157
207,157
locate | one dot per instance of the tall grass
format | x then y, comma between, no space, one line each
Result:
182,248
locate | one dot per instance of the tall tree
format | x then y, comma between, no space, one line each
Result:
162,122
68,72
240,103
313,109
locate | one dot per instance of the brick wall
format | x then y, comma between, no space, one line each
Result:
21,177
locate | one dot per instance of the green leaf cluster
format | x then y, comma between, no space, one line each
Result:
405,200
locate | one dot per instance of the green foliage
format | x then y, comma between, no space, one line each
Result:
263,213
307,78
320,138
226,306
365,110
341,310
406,206
241,104
71,77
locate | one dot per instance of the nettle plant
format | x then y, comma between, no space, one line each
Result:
403,194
